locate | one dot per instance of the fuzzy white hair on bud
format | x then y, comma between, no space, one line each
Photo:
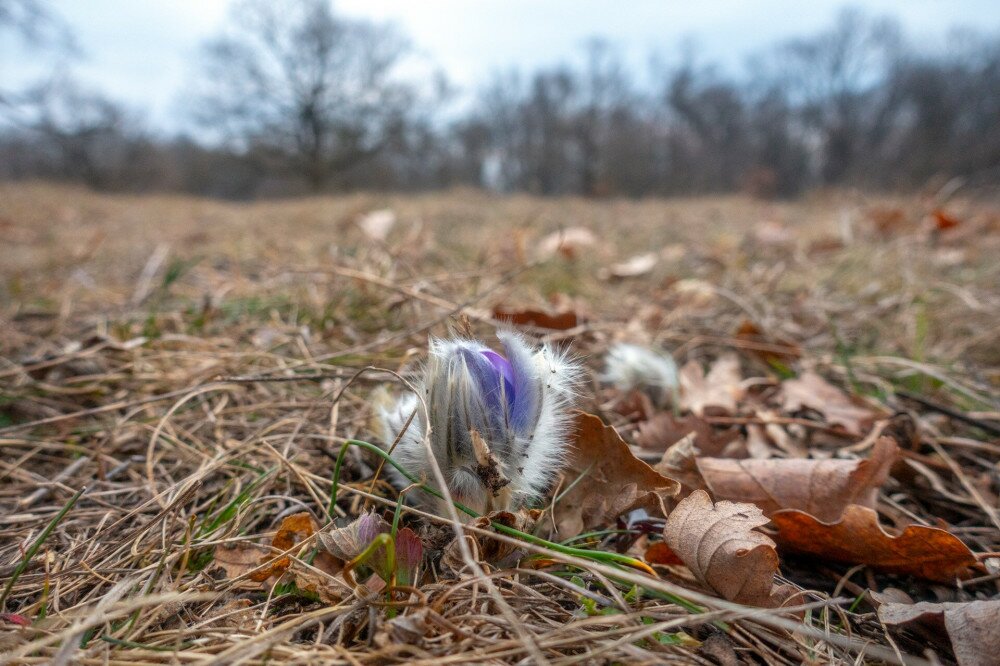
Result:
498,423
634,368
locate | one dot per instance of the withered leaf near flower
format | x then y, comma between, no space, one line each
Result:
607,480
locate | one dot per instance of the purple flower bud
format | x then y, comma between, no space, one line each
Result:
370,525
516,401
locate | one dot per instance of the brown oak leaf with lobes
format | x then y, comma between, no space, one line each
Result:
720,545
857,538
605,480
822,488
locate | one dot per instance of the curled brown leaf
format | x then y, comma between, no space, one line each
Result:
720,545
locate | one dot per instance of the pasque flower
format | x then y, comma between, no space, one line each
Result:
497,421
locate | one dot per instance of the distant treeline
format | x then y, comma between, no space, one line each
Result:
294,98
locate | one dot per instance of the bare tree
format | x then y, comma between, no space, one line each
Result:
834,78
294,83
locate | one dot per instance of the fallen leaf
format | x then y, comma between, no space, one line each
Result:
971,626
632,267
240,558
812,391
330,588
719,389
607,479
695,293
679,462
660,553
235,614
569,243
821,488
634,406
888,221
410,629
857,538
664,430
292,530
378,223
719,544
559,321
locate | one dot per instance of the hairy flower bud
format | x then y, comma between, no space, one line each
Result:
633,368
497,421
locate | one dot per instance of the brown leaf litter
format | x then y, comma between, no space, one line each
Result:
972,626
812,391
719,390
602,479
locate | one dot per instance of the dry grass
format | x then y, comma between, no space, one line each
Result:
126,319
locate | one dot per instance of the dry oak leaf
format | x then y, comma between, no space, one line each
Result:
679,462
857,538
719,544
721,388
972,626
606,479
812,391
821,488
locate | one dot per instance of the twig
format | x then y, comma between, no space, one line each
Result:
952,413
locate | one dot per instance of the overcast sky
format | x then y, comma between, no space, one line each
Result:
144,51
